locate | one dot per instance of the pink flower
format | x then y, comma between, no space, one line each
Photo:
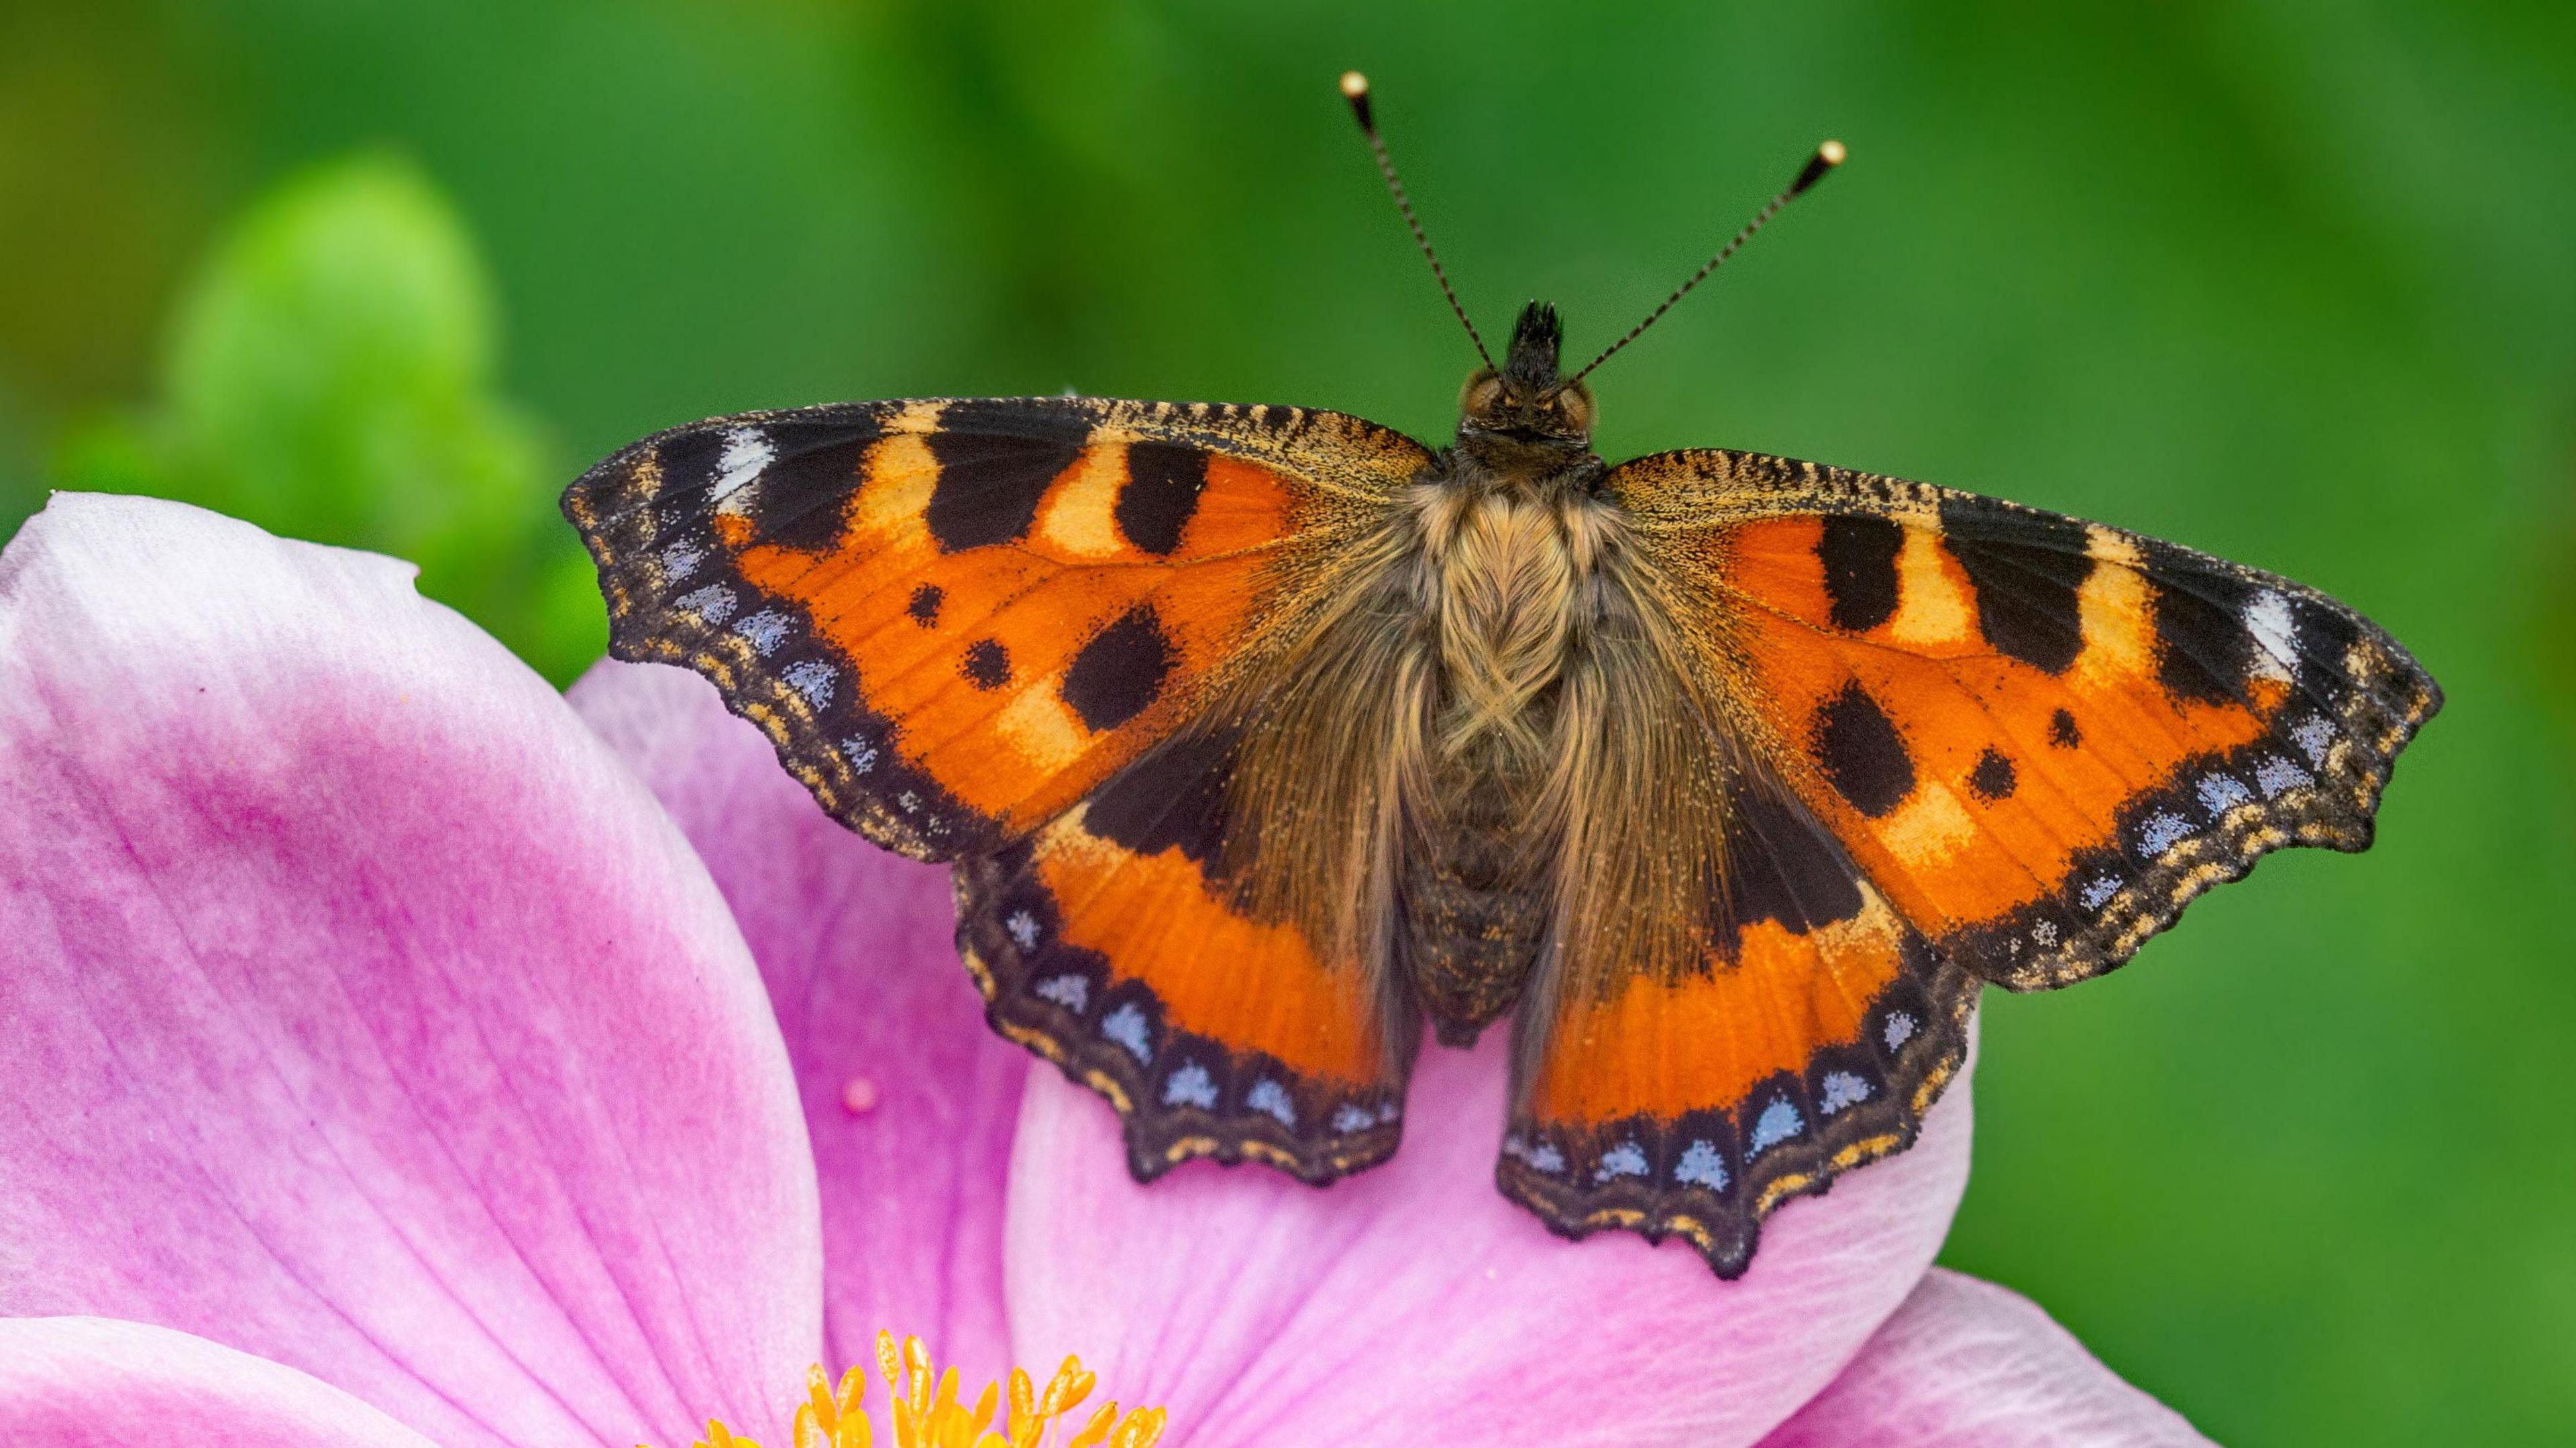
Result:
379,1064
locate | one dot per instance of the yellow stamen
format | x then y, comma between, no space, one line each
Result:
1097,1429
985,1404
916,1376
923,1409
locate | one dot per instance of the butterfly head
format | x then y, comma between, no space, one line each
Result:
1525,401
1527,416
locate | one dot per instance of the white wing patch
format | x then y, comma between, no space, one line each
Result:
747,454
2276,631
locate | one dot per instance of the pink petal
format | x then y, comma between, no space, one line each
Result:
1967,1364
909,1095
1413,1304
95,1382
365,1014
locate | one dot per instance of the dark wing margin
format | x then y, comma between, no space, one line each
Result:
648,515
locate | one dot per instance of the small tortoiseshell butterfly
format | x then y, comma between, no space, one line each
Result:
1258,734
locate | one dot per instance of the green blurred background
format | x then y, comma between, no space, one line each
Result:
2292,282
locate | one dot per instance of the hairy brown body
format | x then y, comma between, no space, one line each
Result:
1477,762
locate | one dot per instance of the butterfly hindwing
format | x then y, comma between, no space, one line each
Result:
2039,738
1117,941
957,617
1809,1038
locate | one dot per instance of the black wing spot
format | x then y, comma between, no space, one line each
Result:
2026,569
2062,731
996,462
1859,554
924,607
1993,778
1120,671
1782,866
688,460
1862,753
805,491
1161,494
2203,648
1173,797
988,664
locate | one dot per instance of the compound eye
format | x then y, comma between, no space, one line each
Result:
1575,405
1482,394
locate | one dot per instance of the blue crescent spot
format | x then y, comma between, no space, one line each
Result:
1126,1026
2276,776
712,604
813,679
1627,1159
2220,793
1843,1089
1190,1086
1701,1166
1271,1099
2162,831
1779,1122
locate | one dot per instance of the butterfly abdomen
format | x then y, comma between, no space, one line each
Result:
1475,910
1501,573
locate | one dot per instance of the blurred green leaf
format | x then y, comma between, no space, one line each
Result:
331,374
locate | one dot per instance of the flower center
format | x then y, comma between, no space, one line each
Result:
926,1413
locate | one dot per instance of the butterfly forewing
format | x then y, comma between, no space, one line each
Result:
2040,738
956,618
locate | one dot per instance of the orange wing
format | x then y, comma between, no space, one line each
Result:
1811,1038
2038,738
957,618
1116,942
981,631
1978,742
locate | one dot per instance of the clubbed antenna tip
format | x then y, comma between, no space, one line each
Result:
1827,157
1355,89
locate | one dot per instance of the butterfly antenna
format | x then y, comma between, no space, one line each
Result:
1827,157
1355,89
